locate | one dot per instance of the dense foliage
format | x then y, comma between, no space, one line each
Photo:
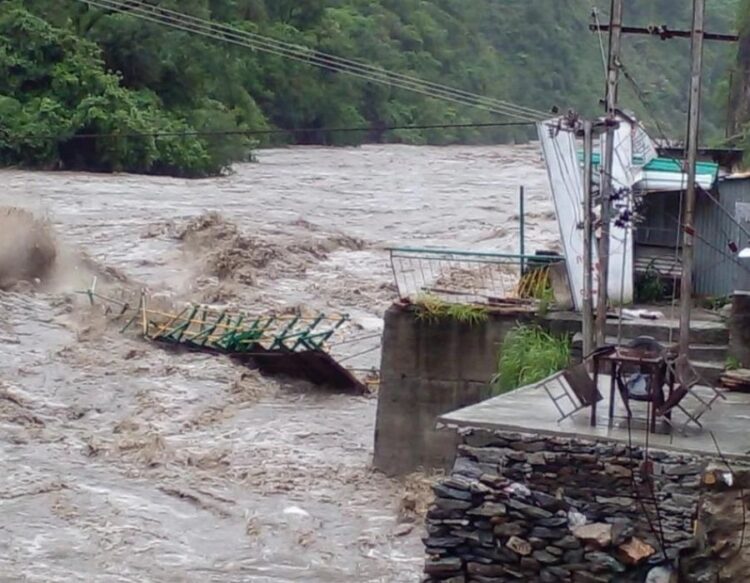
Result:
740,104
68,70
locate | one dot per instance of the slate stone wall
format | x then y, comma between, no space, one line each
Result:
539,508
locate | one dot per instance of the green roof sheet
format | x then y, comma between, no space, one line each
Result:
672,165
664,165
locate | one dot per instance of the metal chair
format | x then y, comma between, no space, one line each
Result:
688,379
573,389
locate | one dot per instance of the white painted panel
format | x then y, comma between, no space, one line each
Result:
566,184
565,179
620,285
622,171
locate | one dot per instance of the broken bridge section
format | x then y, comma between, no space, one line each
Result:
284,344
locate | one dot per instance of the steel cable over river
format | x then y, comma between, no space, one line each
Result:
120,461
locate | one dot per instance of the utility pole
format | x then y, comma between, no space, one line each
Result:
613,77
688,226
698,35
588,240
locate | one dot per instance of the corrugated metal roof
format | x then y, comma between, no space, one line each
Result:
663,165
672,165
666,174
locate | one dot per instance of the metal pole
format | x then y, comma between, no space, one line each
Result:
613,76
686,289
522,227
588,241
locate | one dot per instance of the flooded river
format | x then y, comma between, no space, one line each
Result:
123,462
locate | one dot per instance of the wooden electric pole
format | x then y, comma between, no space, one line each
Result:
588,240
688,220
613,77
698,35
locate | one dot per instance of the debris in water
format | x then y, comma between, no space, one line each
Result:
195,499
294,345
403,529
296,511
417,496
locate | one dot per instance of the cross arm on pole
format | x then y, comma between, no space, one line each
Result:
666,33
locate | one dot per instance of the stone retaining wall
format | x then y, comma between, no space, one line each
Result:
430,368
541,508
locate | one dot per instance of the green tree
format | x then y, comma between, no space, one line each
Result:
69,69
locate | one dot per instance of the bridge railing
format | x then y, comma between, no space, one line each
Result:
457,276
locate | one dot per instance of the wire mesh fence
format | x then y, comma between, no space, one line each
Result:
469,277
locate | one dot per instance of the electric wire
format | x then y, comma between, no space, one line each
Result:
742,492
724,210
641,97
650,483
362,353
595,14
356,339
265,132
331,56
719,250
308,58
659,535
360,69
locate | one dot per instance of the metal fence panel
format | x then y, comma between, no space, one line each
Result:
465,276
717,267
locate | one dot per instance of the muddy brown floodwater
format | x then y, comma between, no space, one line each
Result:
123,462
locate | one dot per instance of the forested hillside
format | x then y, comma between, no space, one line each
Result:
740,98
68,70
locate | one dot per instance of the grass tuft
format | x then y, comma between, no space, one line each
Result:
529,354
732,363
433,310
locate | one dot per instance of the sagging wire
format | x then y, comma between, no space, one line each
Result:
264,132
724,209
595,16
356,339
723,458
658,535
641,97
650,482
710,245
307,55
362,353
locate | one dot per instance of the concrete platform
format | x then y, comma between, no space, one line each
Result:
705,328
530,410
